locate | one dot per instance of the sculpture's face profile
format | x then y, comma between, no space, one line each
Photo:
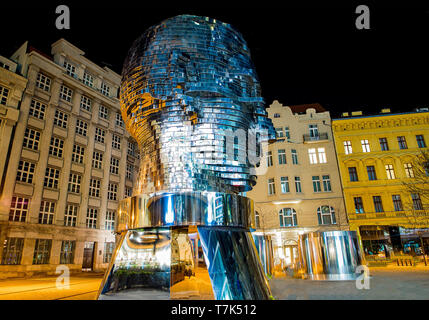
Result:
189,94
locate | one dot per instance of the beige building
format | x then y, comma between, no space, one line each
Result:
71,161
301,189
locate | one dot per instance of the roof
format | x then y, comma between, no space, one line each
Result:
301,108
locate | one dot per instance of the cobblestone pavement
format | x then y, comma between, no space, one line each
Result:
385,283
400,283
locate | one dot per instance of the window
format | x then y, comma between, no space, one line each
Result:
25,171
70,215
236,148
70,69
4,92
271,187
129,172
276,115
81,127
118,121
88,79
282,156
420,141
312,155
298,184
47,212
284,184
287,133
294,156
12,251
409,170
114,165
97,160
128,192
43,82
94,188
378,206
316,184
402,142
42,251
269,159
314,131
85,103
52,176
109,247
322,155
353,174
279,132
18,209
358,205
397,202
91,218
67,251
105,89
365,146
383,144
390,172
287,217
99,135
37,109
371,173
326,183
31,139
74,182
131,148
56,147
417,202
257,220
61,119
78,153
326,215
103,112
109,223
116,141
112,192
348,147
66,93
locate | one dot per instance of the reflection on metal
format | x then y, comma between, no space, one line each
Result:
191,98
264,245
330,255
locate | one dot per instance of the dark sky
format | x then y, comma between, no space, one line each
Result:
303,54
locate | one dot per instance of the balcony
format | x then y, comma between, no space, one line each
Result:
412,215
323,136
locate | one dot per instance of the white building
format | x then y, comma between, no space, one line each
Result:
71,161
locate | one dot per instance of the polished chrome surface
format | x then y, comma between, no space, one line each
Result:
185,208
191,98
264,245
330,255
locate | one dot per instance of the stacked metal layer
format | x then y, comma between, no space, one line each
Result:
189,91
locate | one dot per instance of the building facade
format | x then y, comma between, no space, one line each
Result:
299,190
377,157
71,161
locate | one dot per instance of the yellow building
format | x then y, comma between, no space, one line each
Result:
376,156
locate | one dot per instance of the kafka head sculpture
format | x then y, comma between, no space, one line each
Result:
188,89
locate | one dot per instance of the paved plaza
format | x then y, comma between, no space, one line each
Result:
403,283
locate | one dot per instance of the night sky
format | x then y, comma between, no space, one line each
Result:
303,54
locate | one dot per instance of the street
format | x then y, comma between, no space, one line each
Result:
389,283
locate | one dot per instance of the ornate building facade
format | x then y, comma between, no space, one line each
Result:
71,161
377,157
300,191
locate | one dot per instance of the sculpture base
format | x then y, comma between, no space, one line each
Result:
180,261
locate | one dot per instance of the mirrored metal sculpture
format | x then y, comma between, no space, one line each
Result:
191,98
330,255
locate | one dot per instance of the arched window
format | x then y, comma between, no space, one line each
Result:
287,217
326,215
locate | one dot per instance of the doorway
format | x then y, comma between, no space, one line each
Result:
88,256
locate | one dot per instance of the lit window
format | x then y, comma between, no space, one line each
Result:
390,172
18,209
12,251
109,223
42,251
67,251
348,147
271,187
287,217
322,155
312,155
365,146
409,170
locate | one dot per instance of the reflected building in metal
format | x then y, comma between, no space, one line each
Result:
191,98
